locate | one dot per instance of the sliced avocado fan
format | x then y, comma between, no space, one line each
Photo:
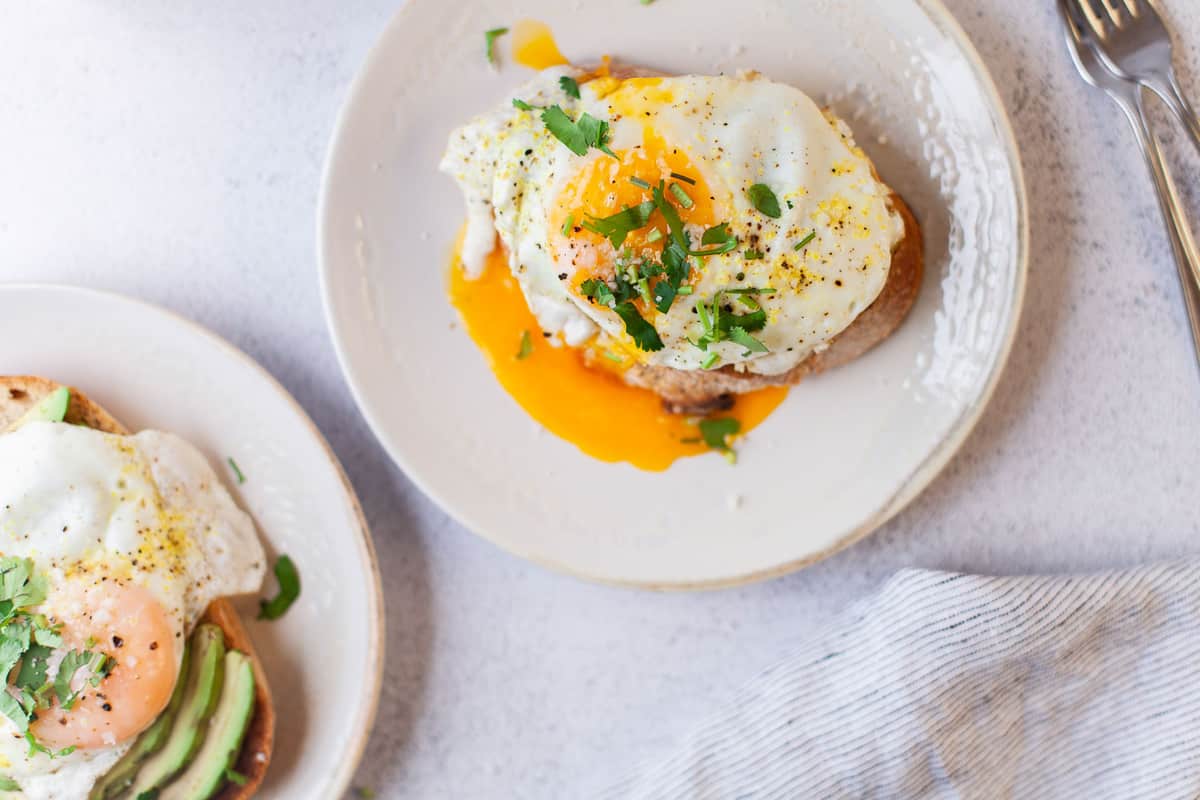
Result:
150,742
199,701
51,408
209,768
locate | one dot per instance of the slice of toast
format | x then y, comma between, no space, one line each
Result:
20,393
702,392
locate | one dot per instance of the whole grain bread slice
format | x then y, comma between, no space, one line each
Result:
18,394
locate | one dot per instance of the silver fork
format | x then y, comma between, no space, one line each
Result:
1134,41
1128,95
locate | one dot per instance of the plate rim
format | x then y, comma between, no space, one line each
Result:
369,702
913,485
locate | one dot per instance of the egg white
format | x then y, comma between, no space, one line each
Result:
739,131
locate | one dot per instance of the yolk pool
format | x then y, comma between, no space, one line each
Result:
533,45
589,407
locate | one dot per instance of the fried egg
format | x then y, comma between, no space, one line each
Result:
135,536
706,142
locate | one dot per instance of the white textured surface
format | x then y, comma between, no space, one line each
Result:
173,153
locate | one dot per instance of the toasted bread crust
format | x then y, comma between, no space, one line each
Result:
20,393
699,392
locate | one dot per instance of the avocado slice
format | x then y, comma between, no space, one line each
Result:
51,408
149,742
199,699
223,741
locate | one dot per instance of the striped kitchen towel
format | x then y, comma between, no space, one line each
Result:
958,686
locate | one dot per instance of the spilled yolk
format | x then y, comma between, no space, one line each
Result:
533,45
590,407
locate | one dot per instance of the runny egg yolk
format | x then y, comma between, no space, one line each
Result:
607,186
590,407
533,45
125,622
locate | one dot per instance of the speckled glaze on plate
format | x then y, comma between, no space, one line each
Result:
845,452
152,369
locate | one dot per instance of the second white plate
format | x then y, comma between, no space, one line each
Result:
845,452
155,370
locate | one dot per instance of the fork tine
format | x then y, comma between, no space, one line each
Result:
1087,16
1114,9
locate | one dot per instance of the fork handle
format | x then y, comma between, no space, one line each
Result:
1183,245
1166,85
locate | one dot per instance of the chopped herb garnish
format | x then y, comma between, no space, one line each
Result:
526,346
71,663
753,255
638,182
684,178
763,199
716,432
653,236
522,105
289,590
621,224
568,224
599,291
237,472
570,86
738,335
233,776
711,361
643,333
490,38
684,290
7,784
682,197
616,359
718,235
804,242
579,136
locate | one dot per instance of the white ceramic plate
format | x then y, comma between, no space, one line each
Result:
156,370
843,454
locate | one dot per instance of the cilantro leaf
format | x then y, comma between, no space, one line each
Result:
763,199
521,105
570,86
664,295
47,637
617,227
716,432
596,131
754,321
753,255
71,663
738,335
33,668
289,590
489,38
598,290
717,234
10,708
643,333
579,135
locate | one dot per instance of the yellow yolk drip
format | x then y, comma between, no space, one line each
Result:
589,407
533,45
